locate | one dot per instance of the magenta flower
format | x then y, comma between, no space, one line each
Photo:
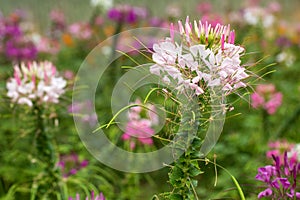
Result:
280,180
266,97
19,49
267,192
70,164
93,197
127,14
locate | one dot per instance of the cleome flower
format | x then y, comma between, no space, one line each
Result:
266,97
35,83
205,56
139,127
280,180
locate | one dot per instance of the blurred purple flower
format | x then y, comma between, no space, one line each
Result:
18,49
70,164
283,41
127,14
11,31
267,192
280,180
15,44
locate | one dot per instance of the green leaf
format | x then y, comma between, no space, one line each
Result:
176,173
176,197
194,171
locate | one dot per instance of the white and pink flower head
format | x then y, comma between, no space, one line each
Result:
206,56
35,83
204,33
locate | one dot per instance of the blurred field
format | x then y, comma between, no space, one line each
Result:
81,10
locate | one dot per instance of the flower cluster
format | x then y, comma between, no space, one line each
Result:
280,180
70,164
126,14
205,54
93,197
15,44
35,83
140,124
266,97
80,30
257,15
44,44
103,4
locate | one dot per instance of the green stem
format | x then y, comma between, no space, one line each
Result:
265,125
241,193
46,154
114,70
182,176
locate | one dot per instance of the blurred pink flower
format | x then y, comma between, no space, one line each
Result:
266,97
45,44
68,74
140,124
140,129
58,17
204,7
274,7
84,111
277,148
80,30
212,19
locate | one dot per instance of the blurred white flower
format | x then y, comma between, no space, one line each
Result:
295,152
286,57
35,83
105,4
256,15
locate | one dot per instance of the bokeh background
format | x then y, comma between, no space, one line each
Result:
250,132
